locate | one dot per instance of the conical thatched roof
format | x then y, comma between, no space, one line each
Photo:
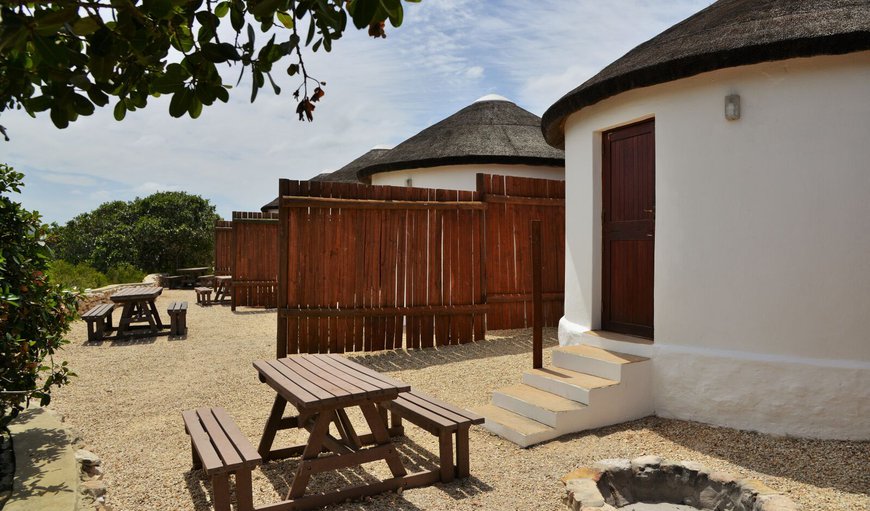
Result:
490,130
729,33
346,174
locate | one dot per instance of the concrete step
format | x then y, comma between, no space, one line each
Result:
514,427
541,406
566,383
595,361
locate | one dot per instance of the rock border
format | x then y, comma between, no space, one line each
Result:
7,466
614,483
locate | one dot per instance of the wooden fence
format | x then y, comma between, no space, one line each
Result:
223,245
361,265
360,262
255,259
512,203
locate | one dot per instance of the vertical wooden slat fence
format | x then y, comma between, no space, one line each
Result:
223,242
254,259
360,265
512,203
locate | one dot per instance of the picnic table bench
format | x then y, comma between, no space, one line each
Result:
220,449
99,321
442,420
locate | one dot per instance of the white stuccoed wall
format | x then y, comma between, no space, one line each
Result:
762,261
462,177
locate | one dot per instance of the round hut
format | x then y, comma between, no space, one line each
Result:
492,136
718,193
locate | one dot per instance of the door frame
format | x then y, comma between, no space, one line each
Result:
647,333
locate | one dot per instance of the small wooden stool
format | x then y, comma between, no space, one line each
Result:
203,295
177,318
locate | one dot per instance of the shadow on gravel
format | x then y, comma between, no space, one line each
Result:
506,342
821,463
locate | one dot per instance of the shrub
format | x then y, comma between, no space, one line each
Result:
34,312
124,274
81,276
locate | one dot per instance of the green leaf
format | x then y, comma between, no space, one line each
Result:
286,19
393,8
222,9
274,85
59,117
86,26
120,111
195,107
82,105
180,103
362,12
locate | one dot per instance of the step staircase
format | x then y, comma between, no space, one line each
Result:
586,387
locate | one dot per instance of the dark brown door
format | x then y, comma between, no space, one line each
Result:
629,229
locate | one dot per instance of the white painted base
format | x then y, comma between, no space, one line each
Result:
774,394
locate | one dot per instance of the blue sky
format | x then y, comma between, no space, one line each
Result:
447,54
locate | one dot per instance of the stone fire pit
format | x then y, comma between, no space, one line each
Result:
649,483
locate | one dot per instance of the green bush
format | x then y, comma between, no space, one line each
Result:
84,276
81,276
35,312
124,274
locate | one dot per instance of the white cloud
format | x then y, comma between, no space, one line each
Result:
447,54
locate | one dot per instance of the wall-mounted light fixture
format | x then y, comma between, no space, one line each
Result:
409,182
732,107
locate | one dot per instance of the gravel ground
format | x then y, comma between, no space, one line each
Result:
126,404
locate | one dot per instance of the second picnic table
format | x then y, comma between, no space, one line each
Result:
138,307
322,388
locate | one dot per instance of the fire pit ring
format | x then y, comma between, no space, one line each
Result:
649,482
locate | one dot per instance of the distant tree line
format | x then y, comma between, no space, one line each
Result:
158,233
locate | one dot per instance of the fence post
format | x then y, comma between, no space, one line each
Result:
283,235
537,298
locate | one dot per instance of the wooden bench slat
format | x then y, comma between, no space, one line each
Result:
204,449
377,382
421,416
249,455
279,380
455,418
306,372
325,368
467,414
225,449
370,372
322,395
98,311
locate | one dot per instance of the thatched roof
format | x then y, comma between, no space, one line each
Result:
346,174
490,130
729,33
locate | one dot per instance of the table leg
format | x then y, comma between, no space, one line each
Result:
155,315
126,317
272,427
379,432
312,450
145,307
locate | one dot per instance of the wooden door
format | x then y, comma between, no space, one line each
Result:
628,229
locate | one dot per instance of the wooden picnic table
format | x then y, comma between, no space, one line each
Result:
322,388
190,274
138,307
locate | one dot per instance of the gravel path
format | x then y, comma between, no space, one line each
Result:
126,404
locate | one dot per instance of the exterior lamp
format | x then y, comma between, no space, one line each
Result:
732,107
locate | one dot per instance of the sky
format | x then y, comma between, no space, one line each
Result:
446,54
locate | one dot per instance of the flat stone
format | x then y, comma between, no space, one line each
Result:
582,473
95,488
723,477
694,466
612,465
584,492
87,458
646,461
775,503
756,487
